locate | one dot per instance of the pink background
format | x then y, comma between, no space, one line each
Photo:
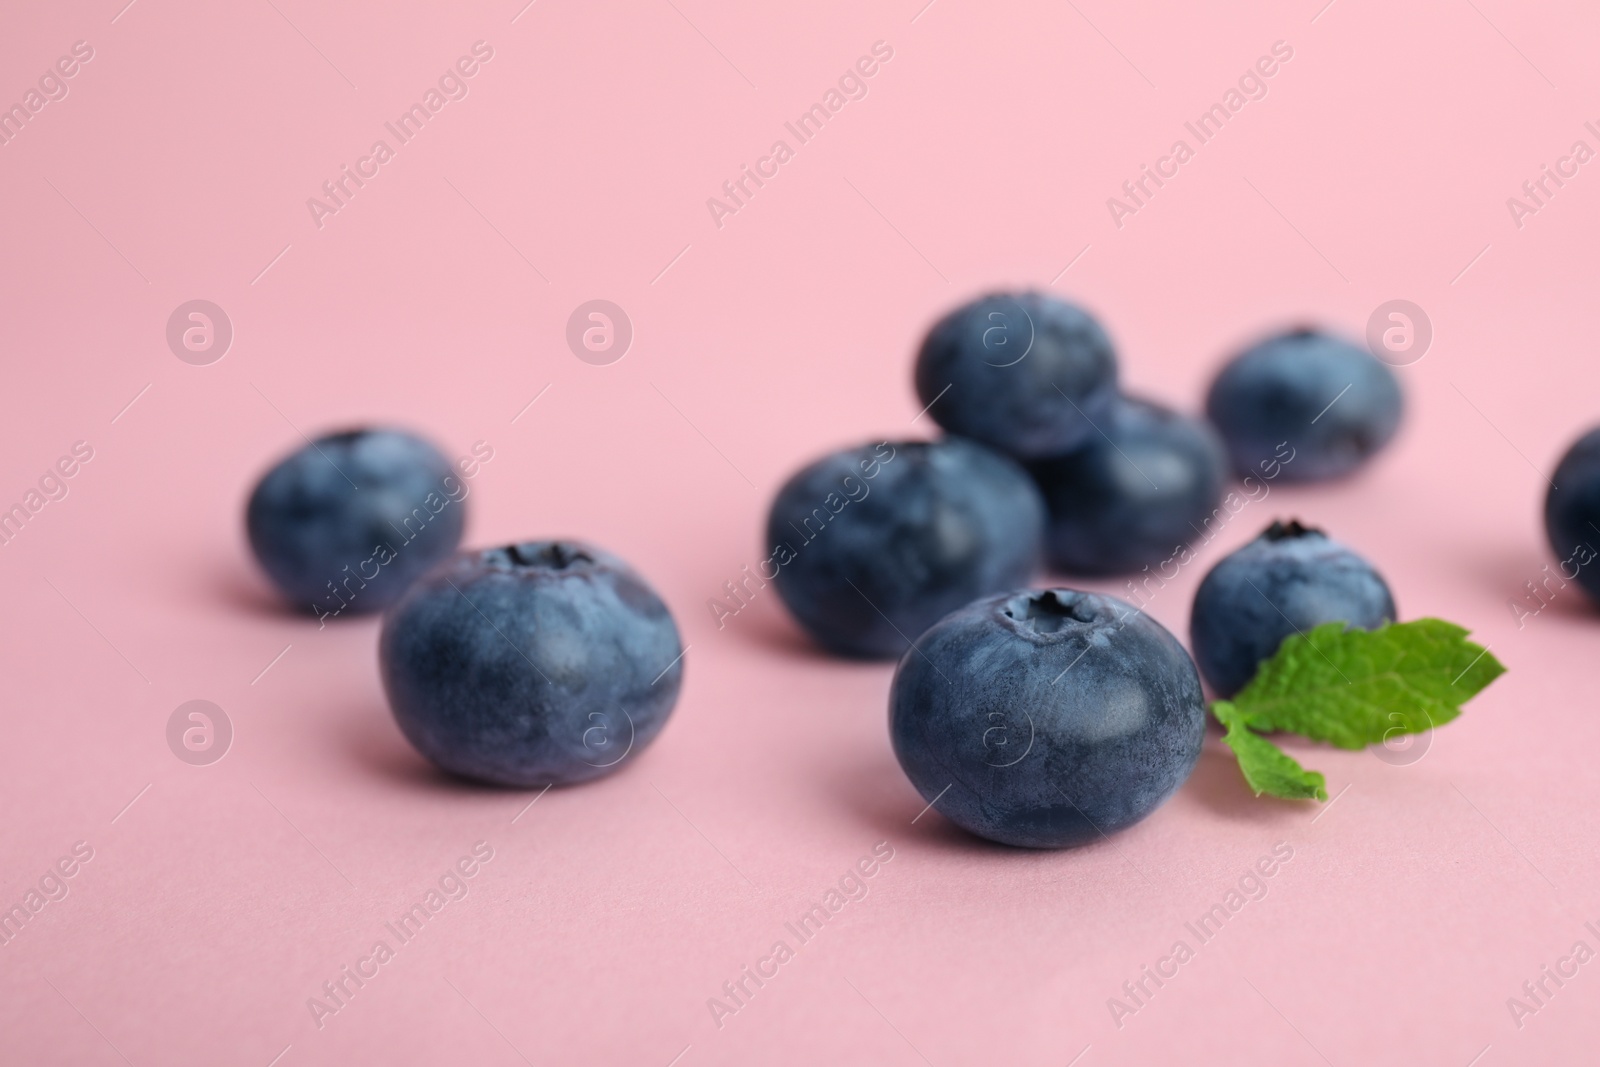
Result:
178,167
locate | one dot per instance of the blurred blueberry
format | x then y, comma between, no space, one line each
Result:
1024,372
1332,401
1286,581
350,520
1572,512
875,544
1134,494
1046,719
537,663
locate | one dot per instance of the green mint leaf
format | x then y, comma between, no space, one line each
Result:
1353,688
1267,768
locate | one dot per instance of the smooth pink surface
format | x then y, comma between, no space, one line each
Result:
1377,167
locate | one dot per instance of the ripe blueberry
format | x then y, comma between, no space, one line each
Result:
875,544
1286,581
1048,718
1572,512
1024,372
350,520
1331,401
1133,495
536,663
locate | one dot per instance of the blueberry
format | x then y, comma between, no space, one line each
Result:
1135,494
1286,581
1046,719
350,520
875,544
545,662
1331,401
1572,512
1022,372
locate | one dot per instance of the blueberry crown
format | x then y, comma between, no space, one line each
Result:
1285,531
1050,610
343,437
543,555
